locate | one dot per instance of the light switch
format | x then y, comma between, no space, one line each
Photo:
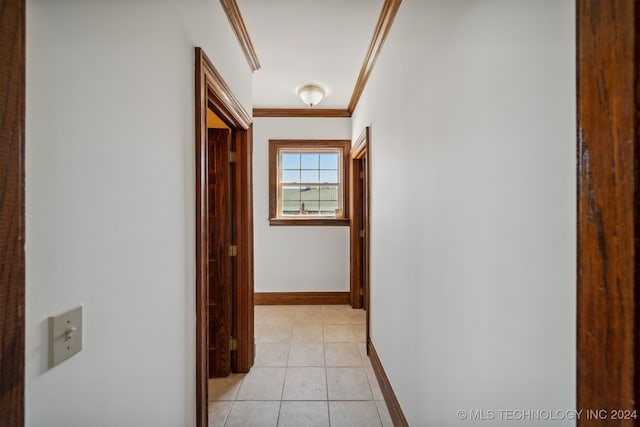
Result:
65,336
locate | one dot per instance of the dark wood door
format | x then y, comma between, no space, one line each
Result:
359,233
364,236
220,251
12,260
360,230
355,244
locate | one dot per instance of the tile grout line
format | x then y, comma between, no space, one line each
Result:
373,397
326,375
280,411
226,418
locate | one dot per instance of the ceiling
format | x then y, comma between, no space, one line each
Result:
300,42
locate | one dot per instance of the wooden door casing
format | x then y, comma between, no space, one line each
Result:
12,212
608,142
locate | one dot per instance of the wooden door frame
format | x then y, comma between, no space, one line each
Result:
608,151
12,213
212,92
360,147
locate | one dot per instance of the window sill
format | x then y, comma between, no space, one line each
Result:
336,222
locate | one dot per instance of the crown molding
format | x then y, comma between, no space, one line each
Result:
300,112
385,20
387,15
237,23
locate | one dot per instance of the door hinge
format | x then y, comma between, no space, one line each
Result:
232,156
361,175
233,250
361,292
233,344
361,233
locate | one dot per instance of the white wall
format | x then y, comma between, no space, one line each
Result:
110,203
302,258
472,113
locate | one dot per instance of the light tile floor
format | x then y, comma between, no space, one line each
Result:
311,369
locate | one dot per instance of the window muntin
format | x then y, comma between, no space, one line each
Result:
308,182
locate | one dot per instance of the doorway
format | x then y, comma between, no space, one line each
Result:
360,230
224,233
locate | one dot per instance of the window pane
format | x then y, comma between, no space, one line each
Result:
329,161
290,193
310,193
328,207
290,161
310,207
289,175
291,207
328,176
329,192
309,161
310,176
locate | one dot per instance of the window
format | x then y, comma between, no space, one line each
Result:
307,182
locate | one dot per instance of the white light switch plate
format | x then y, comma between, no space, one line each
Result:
65,336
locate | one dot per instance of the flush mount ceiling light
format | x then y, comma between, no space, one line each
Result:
311,94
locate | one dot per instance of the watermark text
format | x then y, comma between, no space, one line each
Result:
545,414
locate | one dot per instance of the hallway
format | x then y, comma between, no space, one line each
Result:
311,369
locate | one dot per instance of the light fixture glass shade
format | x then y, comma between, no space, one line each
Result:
311,94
